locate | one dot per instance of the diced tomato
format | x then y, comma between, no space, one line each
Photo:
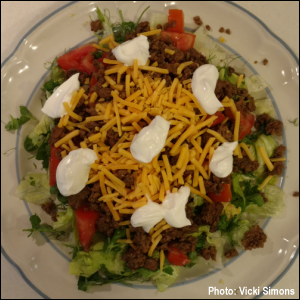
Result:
220,119
104,55
183,41
246,123
92,82
53,164
225,196
176,15
85,224
79,59
176,257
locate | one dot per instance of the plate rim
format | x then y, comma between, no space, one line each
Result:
283,43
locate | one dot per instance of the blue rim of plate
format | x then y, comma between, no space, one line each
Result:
295,254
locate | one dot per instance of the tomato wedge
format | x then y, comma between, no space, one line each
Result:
53,164
246,123
183,41
225,196
86,226
220,119
80,59
176,257
176,15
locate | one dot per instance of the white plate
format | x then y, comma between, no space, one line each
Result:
43,263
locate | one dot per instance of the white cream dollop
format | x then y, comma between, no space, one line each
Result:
135,48
150,140
222,161
148,215
174,206
73,171
203,86
54,107
172,210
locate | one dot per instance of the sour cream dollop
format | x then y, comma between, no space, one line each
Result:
172,210
54,107
174,206
148,215
73,171
222,161
150,140
203,86
135,48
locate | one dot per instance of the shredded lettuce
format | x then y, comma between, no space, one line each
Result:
164,280
64,220
269,143
273,207
158,18
237,233
255,84
265,106
34,188
197,200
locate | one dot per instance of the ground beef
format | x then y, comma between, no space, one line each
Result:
225,88
130,36
279,151
134,259
58,154
56,134
207,253
96,25
278,168
224,131
274,127
151,264
169,25
209,215
142,240
265,62
172,159
215,184
92,111
111,138
188,72
78,200
92,125
126,177
228,31
100,67
254,238
242,106
49,208
164,247
82,134
231,253
82,75
177,233
262,120
158,26
195,56
197,20
221,29
143,27
95,192
245,165
264,197
189,245
168,79
207,27
110,55
296,194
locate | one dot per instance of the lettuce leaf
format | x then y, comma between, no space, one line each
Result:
273,207
237,233
265,106
158,18
34,188
64,220
164,279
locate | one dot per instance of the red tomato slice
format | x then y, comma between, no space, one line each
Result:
87,64
225,196
246,122
76,59
183,41
176,257
85,223
176,15
53,164
220,119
